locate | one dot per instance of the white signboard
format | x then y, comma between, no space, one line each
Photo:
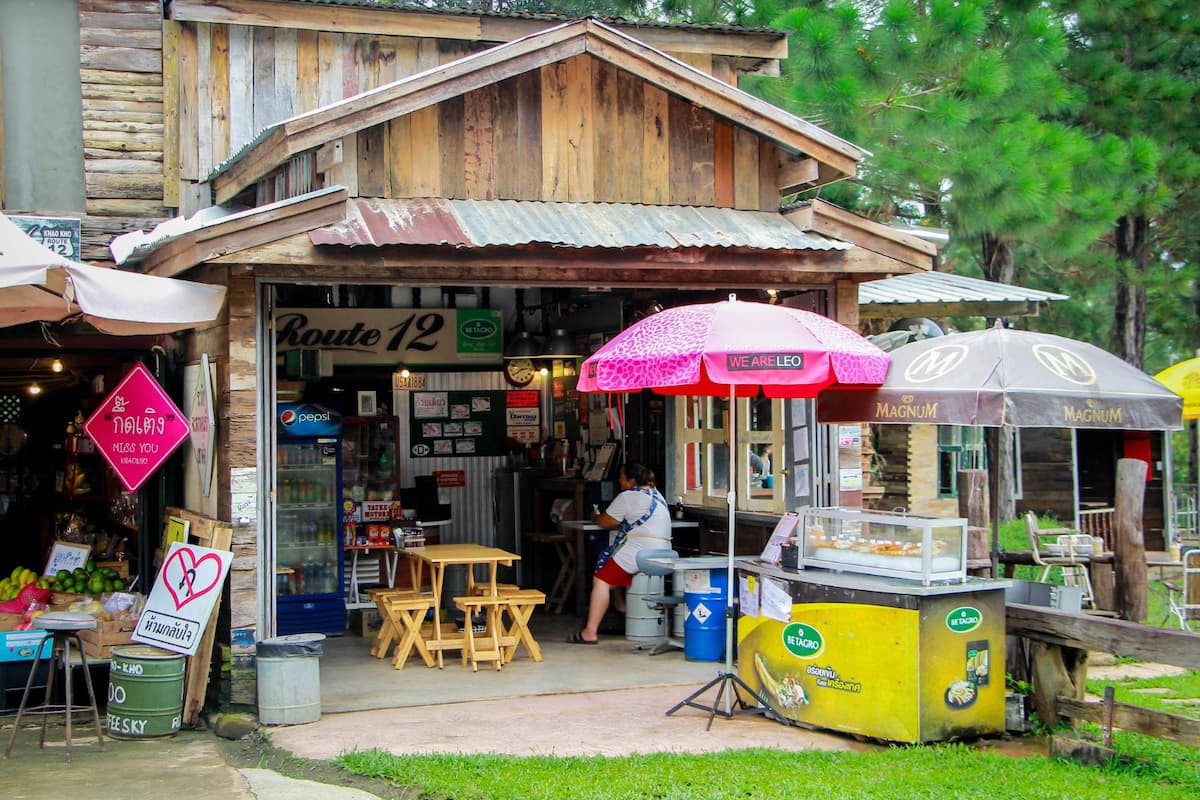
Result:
430,405
203,425
181,602
68,556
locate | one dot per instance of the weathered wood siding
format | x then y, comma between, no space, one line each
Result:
577,131
231,81
120,71
1047,473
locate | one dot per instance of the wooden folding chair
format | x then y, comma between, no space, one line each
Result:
406,614
519,606
485,646
564,582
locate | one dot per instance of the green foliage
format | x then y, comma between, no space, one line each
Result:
946,771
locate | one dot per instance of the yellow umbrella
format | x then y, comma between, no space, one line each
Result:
1184,380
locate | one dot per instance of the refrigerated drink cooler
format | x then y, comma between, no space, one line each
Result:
308,541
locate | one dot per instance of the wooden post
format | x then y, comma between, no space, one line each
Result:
973,497
974,504
1129,548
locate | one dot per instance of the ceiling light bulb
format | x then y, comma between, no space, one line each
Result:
544,371
404,372
34,389
56,366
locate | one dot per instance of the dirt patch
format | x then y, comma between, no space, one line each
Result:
256,752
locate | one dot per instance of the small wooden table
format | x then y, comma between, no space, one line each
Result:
440,556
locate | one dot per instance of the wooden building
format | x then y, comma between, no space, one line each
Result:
392,149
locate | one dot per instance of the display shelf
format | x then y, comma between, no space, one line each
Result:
891,544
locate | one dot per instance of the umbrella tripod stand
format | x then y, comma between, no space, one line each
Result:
728,681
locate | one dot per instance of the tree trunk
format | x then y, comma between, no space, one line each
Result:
1000,461
1129,315
998,262
1129,547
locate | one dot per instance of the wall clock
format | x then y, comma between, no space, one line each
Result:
519,371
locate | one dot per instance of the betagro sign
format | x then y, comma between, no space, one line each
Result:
393,335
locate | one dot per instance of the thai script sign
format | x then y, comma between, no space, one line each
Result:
137,427
188,585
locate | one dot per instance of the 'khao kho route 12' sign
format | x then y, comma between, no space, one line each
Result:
137,427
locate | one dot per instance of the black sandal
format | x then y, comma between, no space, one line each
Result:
577,638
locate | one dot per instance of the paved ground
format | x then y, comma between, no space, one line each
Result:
605,723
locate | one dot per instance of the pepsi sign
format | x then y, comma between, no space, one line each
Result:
307,419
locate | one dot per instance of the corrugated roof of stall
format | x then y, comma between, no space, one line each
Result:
500,223
946,287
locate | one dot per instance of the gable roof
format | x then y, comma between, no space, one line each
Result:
835,157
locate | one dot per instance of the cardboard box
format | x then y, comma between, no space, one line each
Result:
9,622
366,622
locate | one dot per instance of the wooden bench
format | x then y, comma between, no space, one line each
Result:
519,605
485,646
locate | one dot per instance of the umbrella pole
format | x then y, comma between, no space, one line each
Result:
728,681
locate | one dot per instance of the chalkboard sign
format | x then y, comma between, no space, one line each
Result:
68,556
465,423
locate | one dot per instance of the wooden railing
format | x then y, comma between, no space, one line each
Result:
1057,645
1098,522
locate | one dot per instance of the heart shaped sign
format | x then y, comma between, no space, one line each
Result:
188,578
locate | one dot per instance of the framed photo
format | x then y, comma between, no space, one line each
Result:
366,404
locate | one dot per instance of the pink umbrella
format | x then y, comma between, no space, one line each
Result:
736,349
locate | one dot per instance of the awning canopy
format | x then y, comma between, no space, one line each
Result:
37,284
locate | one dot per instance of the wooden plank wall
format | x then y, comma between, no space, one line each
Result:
244,78
120,69
1047,474
577,131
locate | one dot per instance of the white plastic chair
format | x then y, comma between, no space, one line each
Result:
1071,551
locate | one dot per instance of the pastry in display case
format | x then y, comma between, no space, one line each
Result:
888,543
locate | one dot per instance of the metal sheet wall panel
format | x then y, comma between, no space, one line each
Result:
471,505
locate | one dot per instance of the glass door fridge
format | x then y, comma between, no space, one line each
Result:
308,544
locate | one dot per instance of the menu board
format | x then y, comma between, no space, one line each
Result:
457,423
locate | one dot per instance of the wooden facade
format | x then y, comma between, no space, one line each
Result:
260,101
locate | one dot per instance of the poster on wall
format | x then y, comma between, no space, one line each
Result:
458,423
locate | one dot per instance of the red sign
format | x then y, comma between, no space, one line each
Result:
523,399
450,477
137,427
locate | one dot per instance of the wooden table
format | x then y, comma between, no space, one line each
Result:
440,556
583,571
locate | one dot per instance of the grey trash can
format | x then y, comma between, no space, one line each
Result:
289,679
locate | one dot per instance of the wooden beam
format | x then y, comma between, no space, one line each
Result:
755,46
1119,637
797,174
1007,308
838,223
1159,724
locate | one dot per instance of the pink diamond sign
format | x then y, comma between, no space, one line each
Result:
137,427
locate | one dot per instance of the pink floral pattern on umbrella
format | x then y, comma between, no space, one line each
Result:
707,348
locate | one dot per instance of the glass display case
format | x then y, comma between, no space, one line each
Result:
891,544
370,470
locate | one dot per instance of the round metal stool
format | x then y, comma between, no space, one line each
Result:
64,627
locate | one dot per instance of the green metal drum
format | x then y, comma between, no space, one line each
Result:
145,692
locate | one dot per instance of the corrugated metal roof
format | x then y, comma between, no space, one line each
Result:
504,223
449,7
946,287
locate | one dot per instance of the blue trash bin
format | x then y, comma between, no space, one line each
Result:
704,627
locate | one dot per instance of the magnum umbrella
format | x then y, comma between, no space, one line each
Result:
1000,377
733,349
37,284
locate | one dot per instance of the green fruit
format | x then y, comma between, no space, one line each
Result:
118,585
62,575
90,566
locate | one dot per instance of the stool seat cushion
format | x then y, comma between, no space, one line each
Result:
64,621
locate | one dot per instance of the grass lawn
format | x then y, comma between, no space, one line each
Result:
943,771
